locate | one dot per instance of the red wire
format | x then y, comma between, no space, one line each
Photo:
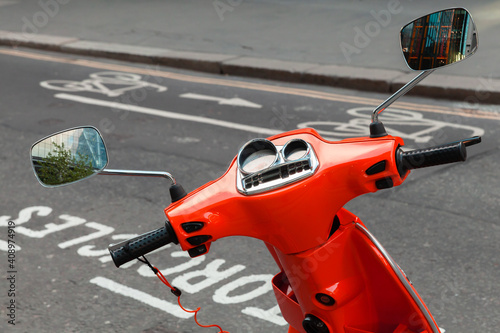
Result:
164,280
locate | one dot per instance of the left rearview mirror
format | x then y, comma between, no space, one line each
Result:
439,39
68,156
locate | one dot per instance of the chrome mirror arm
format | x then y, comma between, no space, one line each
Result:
115,172
403,90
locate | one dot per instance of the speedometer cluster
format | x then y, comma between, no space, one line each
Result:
262,166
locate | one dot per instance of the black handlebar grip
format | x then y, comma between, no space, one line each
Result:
138,246
421,158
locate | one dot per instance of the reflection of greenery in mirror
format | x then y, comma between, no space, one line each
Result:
69,156
439,39
61,167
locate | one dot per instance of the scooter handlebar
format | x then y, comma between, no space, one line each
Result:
443,154
133,248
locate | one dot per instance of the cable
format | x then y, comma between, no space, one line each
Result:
177,292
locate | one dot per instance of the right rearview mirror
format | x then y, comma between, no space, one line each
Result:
439,39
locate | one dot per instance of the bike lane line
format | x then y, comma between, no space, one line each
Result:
249,85
140,296
168,114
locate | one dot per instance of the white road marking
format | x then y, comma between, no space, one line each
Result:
223,101
112,84
140,296
168,114
272,315
4,246
250,86
102,230
395,121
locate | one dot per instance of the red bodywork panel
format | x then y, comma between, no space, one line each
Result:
295,222
369,296
299,216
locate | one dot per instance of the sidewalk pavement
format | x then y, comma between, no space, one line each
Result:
271,40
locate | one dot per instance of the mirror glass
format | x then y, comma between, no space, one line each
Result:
69,156
439,39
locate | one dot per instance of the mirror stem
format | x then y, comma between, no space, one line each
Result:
162,174
403,90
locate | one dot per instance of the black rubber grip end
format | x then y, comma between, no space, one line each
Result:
421,158
138,246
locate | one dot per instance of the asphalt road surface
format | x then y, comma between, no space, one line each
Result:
316,31
441,226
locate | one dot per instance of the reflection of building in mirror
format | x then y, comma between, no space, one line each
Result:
79,142
69,156
439,39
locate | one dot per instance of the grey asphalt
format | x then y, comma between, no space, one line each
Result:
318,42
448,245
441,226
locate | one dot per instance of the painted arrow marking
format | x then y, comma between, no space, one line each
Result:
235,101
168,114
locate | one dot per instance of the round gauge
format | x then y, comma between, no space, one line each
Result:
257,155
295,149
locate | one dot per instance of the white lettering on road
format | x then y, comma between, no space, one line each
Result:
25,215
204,278
211,274
147,272
4,246
88,250
71,221
272,315
102,230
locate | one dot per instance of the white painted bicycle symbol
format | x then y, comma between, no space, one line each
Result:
405,124
111,84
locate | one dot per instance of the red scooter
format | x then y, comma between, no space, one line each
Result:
289,191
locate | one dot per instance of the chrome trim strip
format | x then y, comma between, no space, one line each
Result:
401,277
115,172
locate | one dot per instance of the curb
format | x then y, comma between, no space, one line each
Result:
469,90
